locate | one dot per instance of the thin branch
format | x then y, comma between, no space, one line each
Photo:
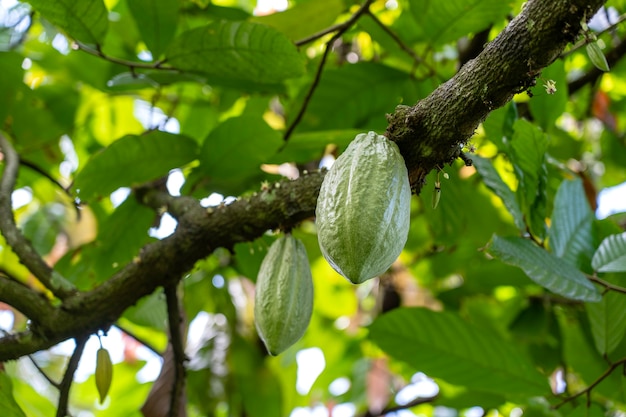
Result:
340,30
319,34
52,280
586,40
44,374
139,339
612,57
413,403
130,64
587,391
606,284
66,383
175,319
49,177
400,42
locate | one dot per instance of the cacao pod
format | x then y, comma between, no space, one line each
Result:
283,301
363,209
104,373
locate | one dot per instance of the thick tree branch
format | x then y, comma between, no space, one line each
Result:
32,304
20,245
431,133
200,231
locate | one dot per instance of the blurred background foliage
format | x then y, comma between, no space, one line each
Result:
124,91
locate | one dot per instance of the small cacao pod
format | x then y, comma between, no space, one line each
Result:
363,208
104,373
283,301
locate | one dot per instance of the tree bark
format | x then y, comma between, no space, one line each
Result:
429,135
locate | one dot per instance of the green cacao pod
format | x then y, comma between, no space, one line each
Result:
283,301
104,373
363,209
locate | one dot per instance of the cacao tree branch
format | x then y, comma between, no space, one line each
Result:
68,377
432,132
14,238
591,386
200,231
175,320
429,134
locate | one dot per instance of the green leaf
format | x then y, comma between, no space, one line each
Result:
234,151
84,20
156,21
150,311
358,96
307,146
444,346
544,268
527,152
597,56
611,255
304,19
445,21
546,108
133,160
232,51
608,321
570,234
10,408
494,182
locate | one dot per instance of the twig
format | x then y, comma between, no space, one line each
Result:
44,374
399,42
139,339
52,280
606,284
49,177
408,405
585,41
36,365
175,320
340,29
587,390
27,301
130,64
66,383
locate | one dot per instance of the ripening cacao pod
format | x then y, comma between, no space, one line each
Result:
104,373
363,208
283,301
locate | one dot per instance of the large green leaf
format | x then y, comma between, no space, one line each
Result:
608,320
309,146
527,152
84,20
445,21
546,108
611,255
156,21
493,180
570,234
358,96
544,268
10,408
305,18
132,160
150,311
444,346
233,51
234,151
